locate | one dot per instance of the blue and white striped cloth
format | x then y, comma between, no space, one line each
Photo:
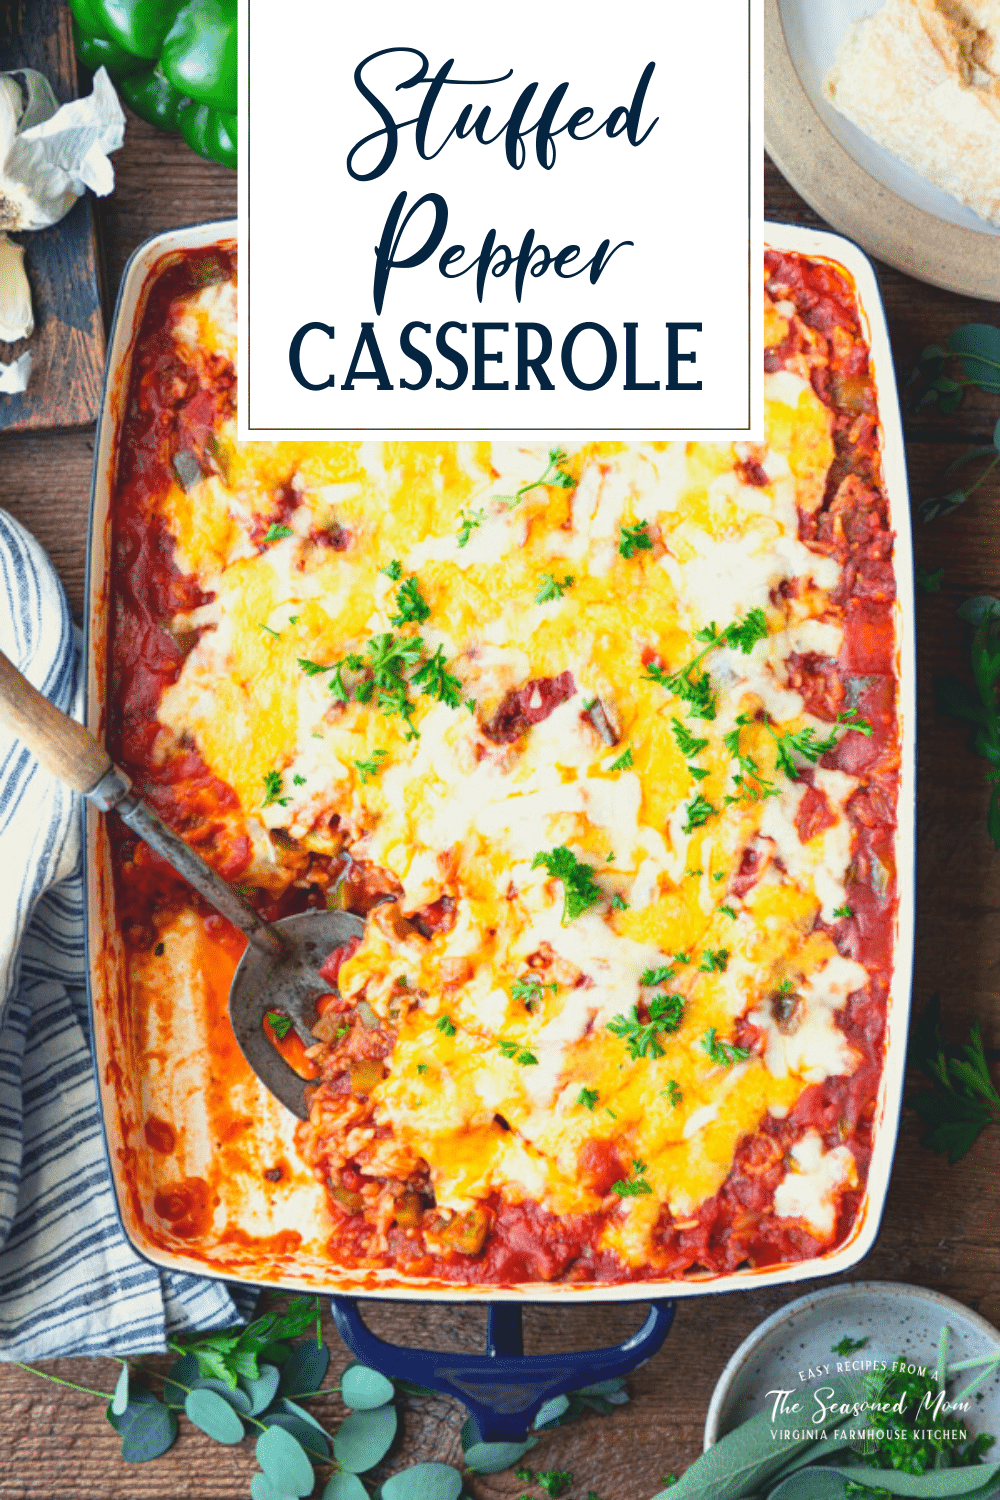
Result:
70,1283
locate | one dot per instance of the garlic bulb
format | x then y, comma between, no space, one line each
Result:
16,318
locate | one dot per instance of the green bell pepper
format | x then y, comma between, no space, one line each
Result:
175,61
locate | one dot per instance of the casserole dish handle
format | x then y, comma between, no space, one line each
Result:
504,1388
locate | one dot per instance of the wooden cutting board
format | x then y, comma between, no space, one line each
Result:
63,262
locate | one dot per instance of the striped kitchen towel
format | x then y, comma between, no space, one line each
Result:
70,1283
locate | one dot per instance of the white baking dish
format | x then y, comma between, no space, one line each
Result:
125,1084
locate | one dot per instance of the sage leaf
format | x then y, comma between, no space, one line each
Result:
424,1482
150,1434
490,1458
364,1438
976,1482
261,1488
263,1390
551,1411
235,1398
285,1462
184,1373
214,1415
363,1389
311,1436
305,1370
119,1400
344,1487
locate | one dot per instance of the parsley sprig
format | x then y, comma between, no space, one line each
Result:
469,521
723,1054
368,769
580,890
694,686
411,606
807,743
634,1186
435,681
554,474
550,587
273,789
642,1037
633,539
699,810
531,991
962,1099
515,1052
749,782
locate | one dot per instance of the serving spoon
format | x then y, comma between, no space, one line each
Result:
279,969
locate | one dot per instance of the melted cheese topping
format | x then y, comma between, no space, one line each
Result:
452,813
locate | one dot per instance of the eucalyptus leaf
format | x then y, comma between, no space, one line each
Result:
968,456
236,1398
309,1434
979,608
184,1373
138,1398
285,1462
119,1400
151,1434
979,346
424,1482
262,1391
363,1389
364,1438
551,1411
490,1458
602,1387
261,1488
214,1415
305,1370
344,1487
291,1409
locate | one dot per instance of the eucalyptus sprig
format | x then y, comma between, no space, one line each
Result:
249,1382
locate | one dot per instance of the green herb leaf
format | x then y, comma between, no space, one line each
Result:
723,1054
928,582
262,1390
554,474
588,1098
276,533
848,1345
580,890
550,587
305,1370
469,521
686,741
962,1099
435,681
699,810
281,1024
673,1093
554,1482
843,912
657,976
642,1037
624,762
364,1389
214,1415
633,539
430,1481
411,606
490,1458
364,1438
285,1461
393,570
514,1052
368,769
446,1025
149,1434
530,991
119,1400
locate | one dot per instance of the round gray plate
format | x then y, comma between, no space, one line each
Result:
897,1320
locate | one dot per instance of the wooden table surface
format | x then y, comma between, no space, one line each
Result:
941,1225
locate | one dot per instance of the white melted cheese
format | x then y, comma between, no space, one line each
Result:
812,1045
811,1188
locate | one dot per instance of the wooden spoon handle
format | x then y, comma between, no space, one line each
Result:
64,747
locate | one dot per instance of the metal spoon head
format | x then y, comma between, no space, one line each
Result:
290,983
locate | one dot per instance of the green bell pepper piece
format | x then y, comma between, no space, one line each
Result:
210,132
153,98
199,53
137,25
101,52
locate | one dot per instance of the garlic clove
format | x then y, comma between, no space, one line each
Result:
16,317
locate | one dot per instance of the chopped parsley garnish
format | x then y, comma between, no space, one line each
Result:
695,687
470,521
843,911
722,1053
786,986
633,539
367,769
411,606
657,976
588,1098
293,619
806,743
276,533
530,991
447,1025
514,1052
698,772
728,911
848,1345
714,961
393,570
554,474
673,1093
550,587
298,780
554,1482
618,902
683,958
625,761
635,1186
314,668
642,1037
389,657
421,1067
274,634
435,681
749,784
272,790
280,1024
687,743
699,810
719,875
580,890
